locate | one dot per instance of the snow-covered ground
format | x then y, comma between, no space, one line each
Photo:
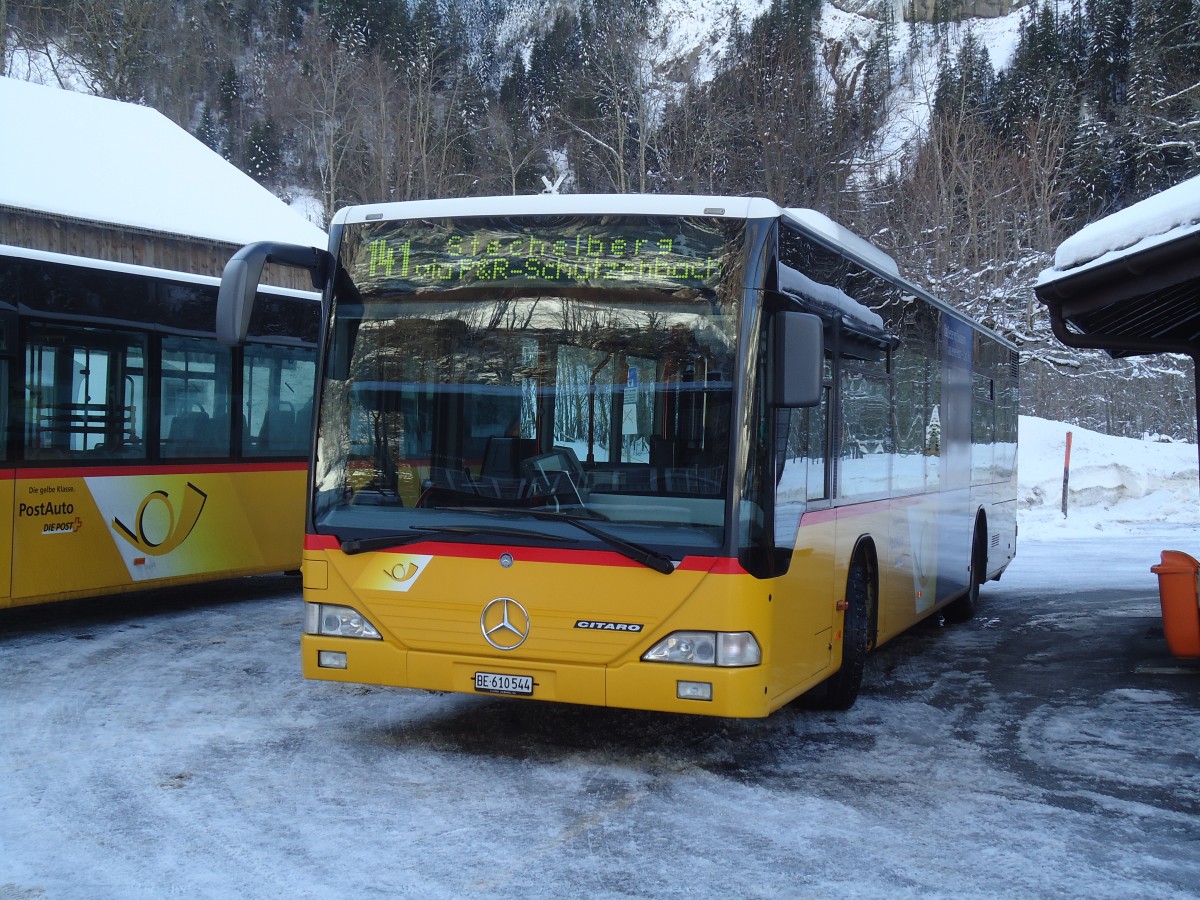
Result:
1117,485
167,746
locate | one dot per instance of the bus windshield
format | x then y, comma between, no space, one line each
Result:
541,379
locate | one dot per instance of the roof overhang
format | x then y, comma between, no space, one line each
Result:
1140,303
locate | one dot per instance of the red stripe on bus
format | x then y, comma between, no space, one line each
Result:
721,565
818,517
850,510
173,469
863,509
714,564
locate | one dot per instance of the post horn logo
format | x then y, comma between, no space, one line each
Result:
401,572
177,528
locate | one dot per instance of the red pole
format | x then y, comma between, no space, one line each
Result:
1066,474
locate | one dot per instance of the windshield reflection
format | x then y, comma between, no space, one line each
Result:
442,410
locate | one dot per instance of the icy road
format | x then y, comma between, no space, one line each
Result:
166,746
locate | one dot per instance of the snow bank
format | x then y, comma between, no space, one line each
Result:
1114,482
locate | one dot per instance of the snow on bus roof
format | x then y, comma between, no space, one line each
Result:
1165,217
792,281
86,157
842,236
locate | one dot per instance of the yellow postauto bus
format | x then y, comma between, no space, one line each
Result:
688,454
140,452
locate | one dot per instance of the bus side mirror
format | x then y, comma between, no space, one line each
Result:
799,365
243,272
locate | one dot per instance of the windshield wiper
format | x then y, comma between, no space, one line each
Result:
659,562
417,532
652,559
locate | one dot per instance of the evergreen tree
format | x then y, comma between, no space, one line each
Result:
263,152
965,87
878,74
207,131
1108,53
1043,79
229,92
1148,132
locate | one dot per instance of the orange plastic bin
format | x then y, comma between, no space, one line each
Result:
1179,592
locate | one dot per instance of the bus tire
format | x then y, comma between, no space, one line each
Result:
840,690
967,606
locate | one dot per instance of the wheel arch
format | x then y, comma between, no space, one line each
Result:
866,555
979,546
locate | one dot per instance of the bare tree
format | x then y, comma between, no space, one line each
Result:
623,81
115,43
328,103
512,152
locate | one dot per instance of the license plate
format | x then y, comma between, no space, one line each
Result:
494,683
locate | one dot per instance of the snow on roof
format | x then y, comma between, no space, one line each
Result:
853,312
1165,217
843,237
89,158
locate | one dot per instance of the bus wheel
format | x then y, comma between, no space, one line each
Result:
840,690
965,607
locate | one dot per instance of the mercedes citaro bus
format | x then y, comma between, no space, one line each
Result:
690,454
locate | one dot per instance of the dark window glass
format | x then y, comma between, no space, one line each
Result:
194,411
277,392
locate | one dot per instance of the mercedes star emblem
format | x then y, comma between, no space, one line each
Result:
504,623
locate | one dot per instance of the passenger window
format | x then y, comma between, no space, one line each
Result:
864,469
85,394
277,392
194,419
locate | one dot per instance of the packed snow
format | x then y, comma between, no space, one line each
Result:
167,745
1114,483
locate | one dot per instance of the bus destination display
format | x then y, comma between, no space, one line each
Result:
420,255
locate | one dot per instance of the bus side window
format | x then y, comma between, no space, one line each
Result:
800,467
277,391
864,469
84,393
195,398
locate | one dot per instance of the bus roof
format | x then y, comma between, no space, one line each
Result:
815,224
141,271
564,204
808,220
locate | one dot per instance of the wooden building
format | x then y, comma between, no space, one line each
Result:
85,176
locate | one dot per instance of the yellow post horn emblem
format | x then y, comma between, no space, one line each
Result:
177,530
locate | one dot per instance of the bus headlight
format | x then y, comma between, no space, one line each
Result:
707,648
337,621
